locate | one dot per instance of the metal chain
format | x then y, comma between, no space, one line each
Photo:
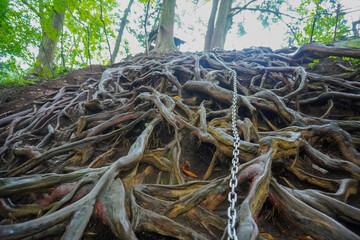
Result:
232,197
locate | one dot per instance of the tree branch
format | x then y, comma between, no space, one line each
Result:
106,35
239,9
32,8
146,33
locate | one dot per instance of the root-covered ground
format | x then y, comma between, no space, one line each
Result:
143,150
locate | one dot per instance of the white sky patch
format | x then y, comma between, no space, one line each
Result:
273,36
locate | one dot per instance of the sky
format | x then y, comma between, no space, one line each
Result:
257,35
196,19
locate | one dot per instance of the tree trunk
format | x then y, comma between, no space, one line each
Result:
355,31
145,29
314,21
45,58
337,20
165,37
222,25
210,27
121,31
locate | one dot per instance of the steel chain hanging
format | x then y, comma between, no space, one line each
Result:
232,197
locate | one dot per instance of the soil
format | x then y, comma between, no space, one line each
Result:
17,98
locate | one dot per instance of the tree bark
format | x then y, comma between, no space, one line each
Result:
210,27
121,31
45,58
314,21
355,31
145,29
337,19
105,31
165,37
222,25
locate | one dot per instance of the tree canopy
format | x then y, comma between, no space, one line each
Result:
321,19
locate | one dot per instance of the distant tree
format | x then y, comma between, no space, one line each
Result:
84,32
354,29
70,31
318,22
24,24
210,26
223,24
123,23
15,18
17,37
165,36
216,31
51,29
152,23
152,36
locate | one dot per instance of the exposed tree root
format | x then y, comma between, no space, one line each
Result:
127,151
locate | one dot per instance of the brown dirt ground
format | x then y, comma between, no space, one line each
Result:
17,98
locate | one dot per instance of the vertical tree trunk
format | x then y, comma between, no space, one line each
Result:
210,27
145,29
45,58
105,31
314,21
354,29
121,31
336,21
165,37
222,25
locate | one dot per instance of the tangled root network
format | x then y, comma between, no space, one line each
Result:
143,150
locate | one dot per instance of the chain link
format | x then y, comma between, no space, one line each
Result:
232,197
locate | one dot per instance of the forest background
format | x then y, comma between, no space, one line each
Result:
104,32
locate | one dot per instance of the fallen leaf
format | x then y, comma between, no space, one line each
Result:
186,168
267,236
